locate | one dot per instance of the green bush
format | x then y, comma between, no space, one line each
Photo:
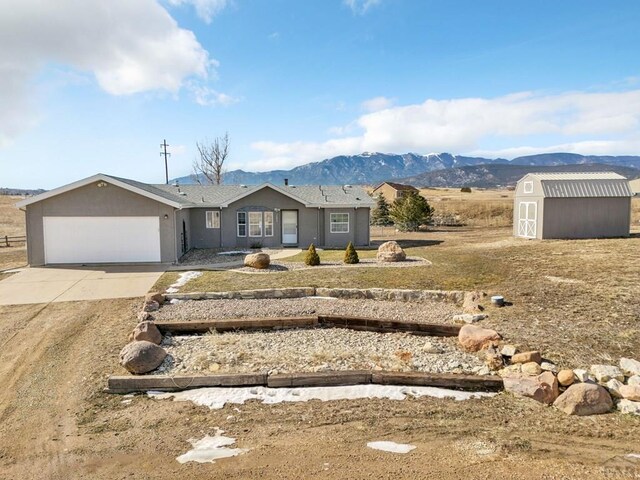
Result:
465,189
312,258
350,255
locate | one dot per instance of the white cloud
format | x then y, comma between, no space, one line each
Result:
206,9
574,122
208,97
360,7
377,103
128,46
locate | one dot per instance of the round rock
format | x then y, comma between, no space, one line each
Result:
565,377
148,332
584,399
257,260
390,252
141,356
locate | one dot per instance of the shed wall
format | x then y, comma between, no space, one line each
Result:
586,217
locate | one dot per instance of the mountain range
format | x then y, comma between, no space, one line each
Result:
434,169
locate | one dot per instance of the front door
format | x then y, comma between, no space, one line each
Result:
290,227
527,219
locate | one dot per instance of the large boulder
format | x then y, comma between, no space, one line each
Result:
148,332
391,251
141,356
584,399
257,260
629,366
543,388
474,338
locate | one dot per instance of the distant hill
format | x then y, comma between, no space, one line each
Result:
20,191
371,168
488,176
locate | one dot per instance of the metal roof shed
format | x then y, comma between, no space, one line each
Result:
572,205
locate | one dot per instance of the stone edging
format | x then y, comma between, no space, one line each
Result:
453,296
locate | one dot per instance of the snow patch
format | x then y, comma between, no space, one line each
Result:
182,280
216,398
392,447
236,252
209,449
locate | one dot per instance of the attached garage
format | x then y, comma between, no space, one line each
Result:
572,205
101,239
101,220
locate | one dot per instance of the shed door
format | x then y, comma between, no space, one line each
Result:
527,218
101,239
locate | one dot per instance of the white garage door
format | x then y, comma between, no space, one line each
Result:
101,239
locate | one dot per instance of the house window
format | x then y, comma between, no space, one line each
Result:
255,224
213,219
339,223
242,224
268,224
528,187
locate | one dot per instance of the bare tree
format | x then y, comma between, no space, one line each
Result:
209,168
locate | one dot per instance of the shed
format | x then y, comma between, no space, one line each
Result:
635,186
572,205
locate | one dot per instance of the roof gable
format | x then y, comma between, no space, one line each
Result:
397,186
142,189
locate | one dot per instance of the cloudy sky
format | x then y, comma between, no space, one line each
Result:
90,86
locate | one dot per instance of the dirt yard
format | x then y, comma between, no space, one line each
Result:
578,301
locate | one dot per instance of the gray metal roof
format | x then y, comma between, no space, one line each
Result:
583,185
309,195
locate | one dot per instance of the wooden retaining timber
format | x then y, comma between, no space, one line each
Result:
489,383
354,323
225,325
166,383
319,379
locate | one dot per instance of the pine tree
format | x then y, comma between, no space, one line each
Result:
380,214
410,212
312,258
350,255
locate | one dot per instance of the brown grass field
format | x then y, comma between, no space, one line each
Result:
578,301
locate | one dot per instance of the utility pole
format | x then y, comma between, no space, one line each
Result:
166,154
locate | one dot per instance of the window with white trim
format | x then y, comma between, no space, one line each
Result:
268,224
339,222
255,224
527,187
242,224
213,219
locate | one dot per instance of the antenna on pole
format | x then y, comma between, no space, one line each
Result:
166,154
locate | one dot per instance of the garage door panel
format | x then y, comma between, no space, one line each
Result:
101,239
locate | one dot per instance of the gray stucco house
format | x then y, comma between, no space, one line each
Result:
106,219
572,205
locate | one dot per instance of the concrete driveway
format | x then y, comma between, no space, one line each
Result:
45,285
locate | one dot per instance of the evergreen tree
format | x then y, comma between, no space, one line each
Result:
410,211
380,214
350,255
312,258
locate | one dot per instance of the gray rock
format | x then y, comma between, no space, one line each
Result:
391,252
635,380
509,350
584,399
583,375
604,373
629,366
150,306
613,386
549,367
141,357
629,407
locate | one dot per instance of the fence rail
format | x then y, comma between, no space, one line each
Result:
7,240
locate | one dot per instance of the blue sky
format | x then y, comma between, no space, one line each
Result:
89,86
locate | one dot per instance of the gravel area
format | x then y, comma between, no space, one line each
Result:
206,256
313,350
281,265
425,311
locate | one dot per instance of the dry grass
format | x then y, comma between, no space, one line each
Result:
480,208
11,223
